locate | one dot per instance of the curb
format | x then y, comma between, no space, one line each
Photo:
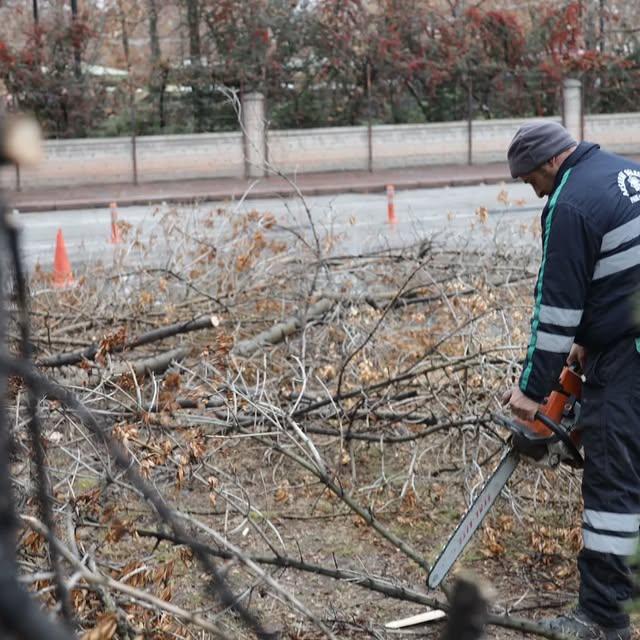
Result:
100,201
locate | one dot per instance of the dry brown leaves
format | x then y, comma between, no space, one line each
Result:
110,342
105,628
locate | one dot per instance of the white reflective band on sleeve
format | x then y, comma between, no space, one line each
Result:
618,262
609,544
553,342
624,233
627,522
559,316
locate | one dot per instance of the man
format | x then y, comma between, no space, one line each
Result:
586,303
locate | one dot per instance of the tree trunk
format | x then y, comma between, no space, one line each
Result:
124,35
418,99
157,81
164,76
132,102
195,53
76,48
154,38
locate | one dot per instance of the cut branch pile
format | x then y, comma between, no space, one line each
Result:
317,421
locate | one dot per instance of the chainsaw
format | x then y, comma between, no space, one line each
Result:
552,438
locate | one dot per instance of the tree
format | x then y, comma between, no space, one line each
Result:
41,75
558,47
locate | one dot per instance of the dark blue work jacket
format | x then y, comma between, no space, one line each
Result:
588,287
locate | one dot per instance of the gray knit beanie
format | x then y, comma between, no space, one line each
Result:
534,144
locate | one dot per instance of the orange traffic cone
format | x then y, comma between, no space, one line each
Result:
116,238
62,274
391,208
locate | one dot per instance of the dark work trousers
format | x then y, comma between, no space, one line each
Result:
610,417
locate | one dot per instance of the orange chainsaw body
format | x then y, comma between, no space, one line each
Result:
558,403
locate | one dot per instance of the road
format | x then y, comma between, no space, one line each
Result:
359,219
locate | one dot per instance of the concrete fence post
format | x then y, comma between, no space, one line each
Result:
254,134
572,107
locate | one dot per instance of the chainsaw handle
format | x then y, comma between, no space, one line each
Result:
562,435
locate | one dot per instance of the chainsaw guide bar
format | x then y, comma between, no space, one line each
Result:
473,518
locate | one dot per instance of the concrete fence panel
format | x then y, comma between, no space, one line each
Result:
326,149
202,155
81,161
109,160
414,145
616,132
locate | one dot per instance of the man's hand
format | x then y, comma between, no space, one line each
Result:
578,354
520,405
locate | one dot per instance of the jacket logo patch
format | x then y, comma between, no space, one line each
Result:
629,183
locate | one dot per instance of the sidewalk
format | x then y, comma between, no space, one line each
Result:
220,189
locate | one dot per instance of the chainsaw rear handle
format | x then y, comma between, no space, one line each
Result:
563,436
